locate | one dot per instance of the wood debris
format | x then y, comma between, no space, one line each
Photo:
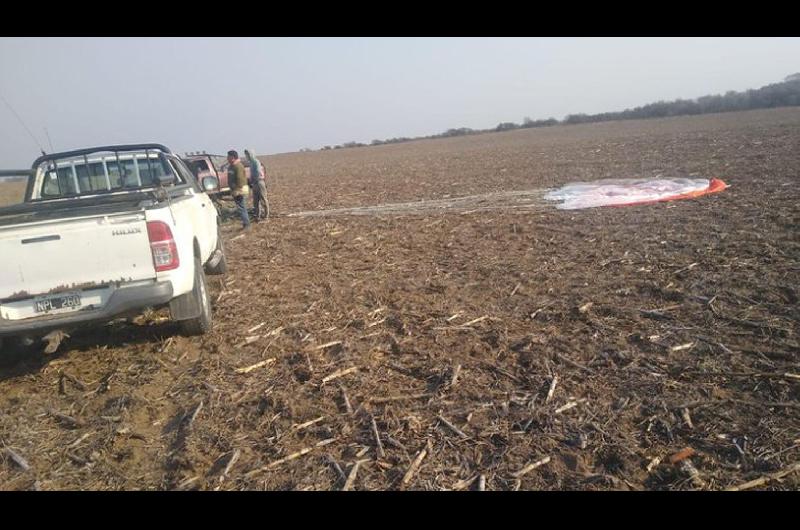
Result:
351,477
552,389
451,426
17,459
290,457
252,367
461,484
389,399
339,373
530,467
328,345
412,469
301,426
761,481
378,444
257,327
569,405
68,420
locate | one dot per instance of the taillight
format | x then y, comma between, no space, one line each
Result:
162,245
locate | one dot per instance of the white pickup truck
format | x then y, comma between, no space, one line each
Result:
103,233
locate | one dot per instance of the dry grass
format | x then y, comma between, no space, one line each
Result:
511,348
11,192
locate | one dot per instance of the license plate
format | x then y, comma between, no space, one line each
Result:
57,302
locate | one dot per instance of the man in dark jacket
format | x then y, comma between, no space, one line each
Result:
237,180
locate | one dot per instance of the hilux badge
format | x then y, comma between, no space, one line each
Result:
125,231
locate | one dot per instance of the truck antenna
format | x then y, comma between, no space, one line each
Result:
49,141
22,122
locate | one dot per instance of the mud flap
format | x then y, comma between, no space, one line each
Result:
185,306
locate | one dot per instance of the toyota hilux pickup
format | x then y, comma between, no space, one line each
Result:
103,233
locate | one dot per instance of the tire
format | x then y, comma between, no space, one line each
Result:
202,323
222,265
13,351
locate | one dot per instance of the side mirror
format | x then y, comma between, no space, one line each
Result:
165,180
210,184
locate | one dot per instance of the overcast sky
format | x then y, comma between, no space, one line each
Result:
283,94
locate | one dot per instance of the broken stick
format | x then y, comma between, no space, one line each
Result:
74,380
766,478
21,462
481,319
454,377
412,469
229,465
339,373
687,418
347,406
568,406
328,345
254,328
461,484
351,478
531,467
66,419
452,427
292,456
653,463
552,390
336,467
249,369
378,444
573,363
398,398
307,424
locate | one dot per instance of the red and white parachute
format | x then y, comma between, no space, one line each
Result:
628,192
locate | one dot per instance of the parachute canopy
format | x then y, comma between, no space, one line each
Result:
628,192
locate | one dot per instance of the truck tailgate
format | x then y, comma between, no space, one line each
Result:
73,254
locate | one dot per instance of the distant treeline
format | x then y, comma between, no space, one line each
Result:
784,94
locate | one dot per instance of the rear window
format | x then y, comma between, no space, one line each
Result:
198,165
103,175
151,170
219,161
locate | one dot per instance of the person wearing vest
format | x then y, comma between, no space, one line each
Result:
237,180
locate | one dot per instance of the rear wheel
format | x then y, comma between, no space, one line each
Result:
17,349
202,323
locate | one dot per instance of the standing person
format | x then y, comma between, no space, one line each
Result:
237,180
257,185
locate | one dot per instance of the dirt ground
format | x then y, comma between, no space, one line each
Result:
485,338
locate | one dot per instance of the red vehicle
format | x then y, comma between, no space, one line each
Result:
212,172
209,172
